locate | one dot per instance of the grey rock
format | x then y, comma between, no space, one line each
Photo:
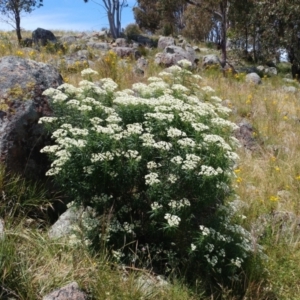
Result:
68,39
65,223
209,60
99,46
261,69
289,89
22,83
271,71
172,54
121,42
284,224
196,49
68,292
124,51
253,78
245,135
42,36
141,65
165,41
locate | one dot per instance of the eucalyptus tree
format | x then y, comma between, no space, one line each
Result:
12,9
219,10
113,9
166,15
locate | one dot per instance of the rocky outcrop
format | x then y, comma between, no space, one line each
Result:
22,83
42,36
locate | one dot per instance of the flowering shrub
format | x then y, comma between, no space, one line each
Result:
155,162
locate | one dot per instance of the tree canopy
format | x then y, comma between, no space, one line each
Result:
113,9
12,9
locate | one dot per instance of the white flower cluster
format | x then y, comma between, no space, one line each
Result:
172,178
88,72
191,162
108,84
220,122
216,140
47,120
180,88
151,179
155,79
174,132
184,63
106,156
172,220
209,171
208,89
155,206
205,230
159,116
179,204
152,165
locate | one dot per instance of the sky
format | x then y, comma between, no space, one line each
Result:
75,15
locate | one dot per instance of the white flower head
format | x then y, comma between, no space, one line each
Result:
172,220
184,63
88,72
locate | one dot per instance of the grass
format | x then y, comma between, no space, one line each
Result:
268,181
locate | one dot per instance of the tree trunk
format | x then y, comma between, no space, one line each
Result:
223,9
112,25
18,27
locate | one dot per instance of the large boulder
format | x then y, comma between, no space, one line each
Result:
22,82
172,54
42,36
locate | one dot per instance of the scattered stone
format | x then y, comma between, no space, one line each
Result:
121,42
172,54
253,78
245,135
68,292
289,89
65,224
141,65
124,51
68,39
196,49
271,71
165,41
99,46
209,60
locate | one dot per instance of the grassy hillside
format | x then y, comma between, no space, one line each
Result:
267,180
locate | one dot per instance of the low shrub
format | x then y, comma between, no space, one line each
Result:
155,162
